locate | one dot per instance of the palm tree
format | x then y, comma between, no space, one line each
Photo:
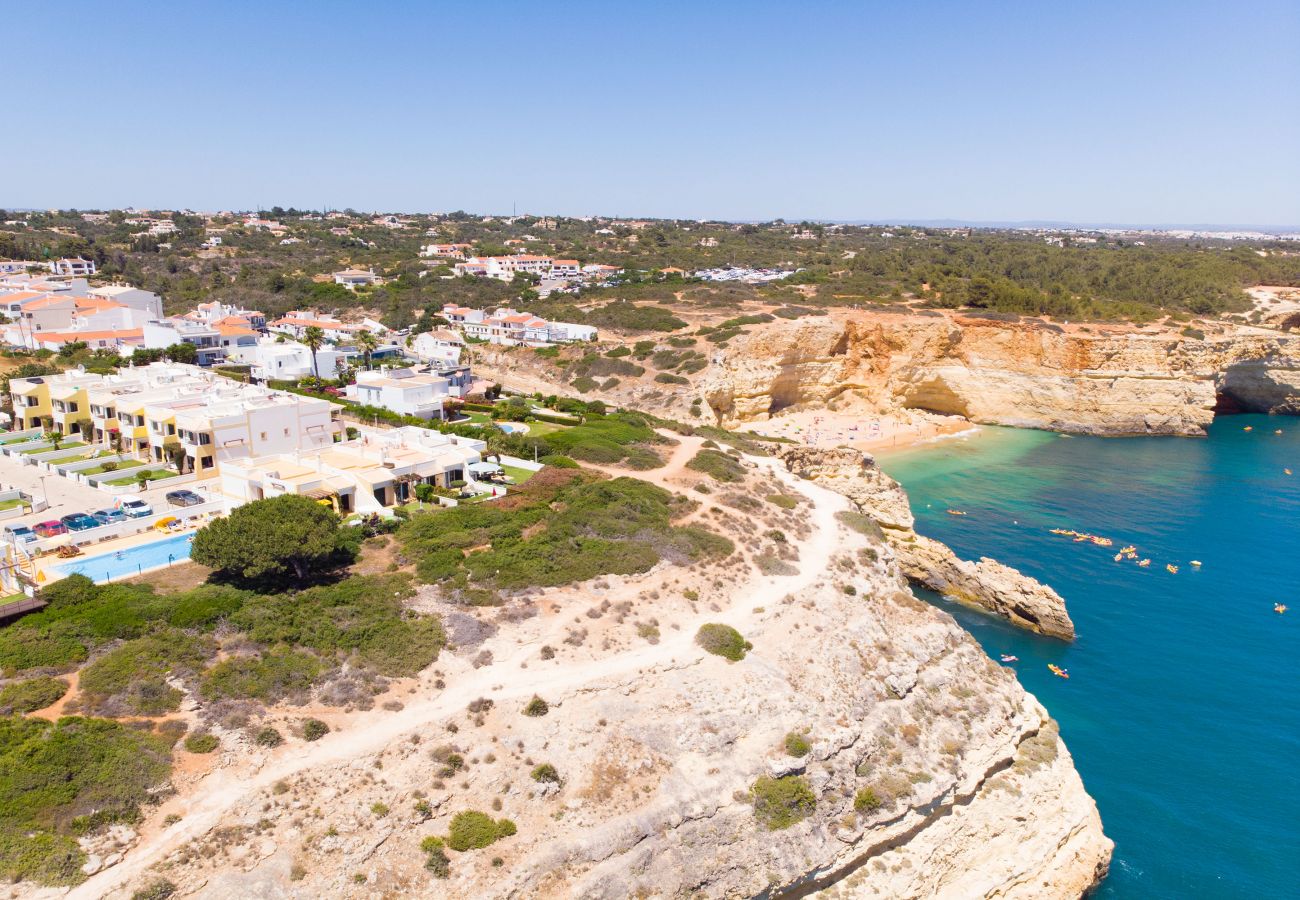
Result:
313,337
368,343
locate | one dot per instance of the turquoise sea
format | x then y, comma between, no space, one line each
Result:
1182,710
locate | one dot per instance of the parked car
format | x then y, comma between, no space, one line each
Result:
108,516
184,498
50,529
135,509
20,533
79,522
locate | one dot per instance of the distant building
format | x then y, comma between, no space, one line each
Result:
355,278
76,267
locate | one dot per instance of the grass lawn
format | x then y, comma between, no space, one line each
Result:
122,464
155,475
12,504
474,418
542,429
63,445
518,474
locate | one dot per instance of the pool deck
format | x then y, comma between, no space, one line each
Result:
45,573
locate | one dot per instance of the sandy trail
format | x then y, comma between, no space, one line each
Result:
371,732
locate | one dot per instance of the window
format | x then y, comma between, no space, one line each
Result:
207,462
263,435
286,432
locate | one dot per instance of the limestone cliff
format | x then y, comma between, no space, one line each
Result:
986,584
1023,374
929,772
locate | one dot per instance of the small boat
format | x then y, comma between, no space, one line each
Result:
1171,569
1279,608
1196,563
1286,471
1008,658
1058,671
1144,563
1127,550
1279,431
1248,428
955,512
1119,557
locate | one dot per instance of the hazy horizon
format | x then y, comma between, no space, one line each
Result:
1168,113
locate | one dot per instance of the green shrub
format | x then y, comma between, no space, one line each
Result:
133,678
157,890
270,676
23,697
723,640
314,729
863,524
546,773
379,809
785,501
268,737
717,465
866,801
438,864
60,779
560,462
782,802
473,830
584,384
536,707
796,744
618,351
201,742
669,378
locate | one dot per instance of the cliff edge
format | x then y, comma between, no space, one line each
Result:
987,584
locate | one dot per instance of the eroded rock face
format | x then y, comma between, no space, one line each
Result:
986,584
855,475
1028,375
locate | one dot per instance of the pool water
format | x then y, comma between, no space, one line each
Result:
131,561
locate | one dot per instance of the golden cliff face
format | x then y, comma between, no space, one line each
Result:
1028,375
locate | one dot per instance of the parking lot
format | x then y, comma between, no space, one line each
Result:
67,496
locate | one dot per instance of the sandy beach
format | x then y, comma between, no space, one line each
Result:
863,431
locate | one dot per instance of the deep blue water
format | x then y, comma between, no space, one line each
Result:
1183,707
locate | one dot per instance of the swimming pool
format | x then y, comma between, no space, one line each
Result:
513,427
131,561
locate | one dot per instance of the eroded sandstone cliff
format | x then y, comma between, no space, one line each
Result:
1023,374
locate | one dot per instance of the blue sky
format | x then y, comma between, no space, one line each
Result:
1140,112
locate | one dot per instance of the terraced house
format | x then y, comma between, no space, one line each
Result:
145,412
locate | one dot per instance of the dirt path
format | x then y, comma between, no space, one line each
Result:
371,732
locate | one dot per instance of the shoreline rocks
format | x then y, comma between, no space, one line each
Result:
987,584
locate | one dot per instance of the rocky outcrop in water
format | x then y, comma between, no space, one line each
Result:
986,584
1024,374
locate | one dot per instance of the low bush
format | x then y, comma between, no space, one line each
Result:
473,830
537,707
133,678
314,729
269,676
23,697
796,744
866,801
863,524
201,742
723,640
545,773
782,802
268,737
717,465
65,778
784,501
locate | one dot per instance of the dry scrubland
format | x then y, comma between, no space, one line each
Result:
704,676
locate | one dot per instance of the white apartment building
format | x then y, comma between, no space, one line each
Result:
287,360
408,392
296,322
449,251
75,267
132,297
